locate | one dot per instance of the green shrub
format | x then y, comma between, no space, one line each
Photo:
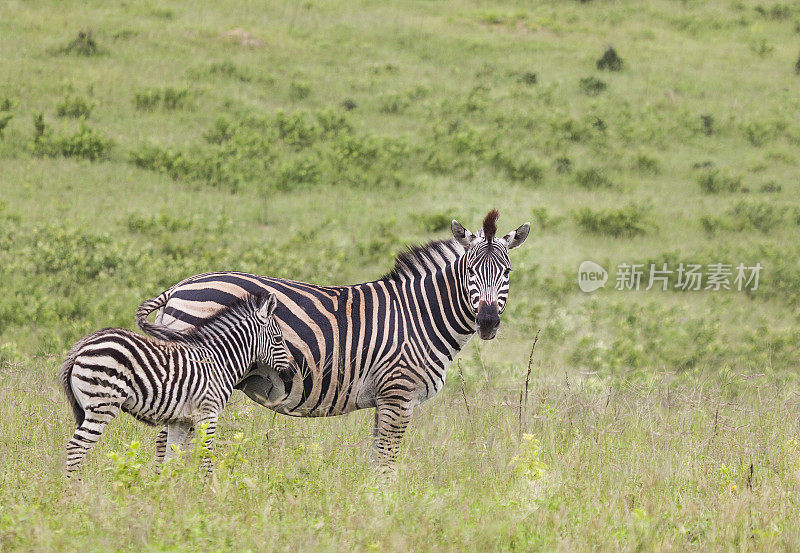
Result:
209,167
85,143
544,220
295,173
707,124
647,164
563,165
770,187
747,216
759,133
522,170
229,69
762,216
592,178
610,60
433,222
713,181
630,220
168,98
76,107
157,223
529,78
5,115
394,103
299,90
84,44
296,129
592,86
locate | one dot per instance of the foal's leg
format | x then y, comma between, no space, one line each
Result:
161,445
96,416
210,418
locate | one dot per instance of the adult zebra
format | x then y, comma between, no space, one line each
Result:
384,344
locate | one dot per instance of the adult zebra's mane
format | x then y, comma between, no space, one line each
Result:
418,259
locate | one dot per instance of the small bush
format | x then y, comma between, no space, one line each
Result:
85,143
563,165
83,45
647,164
76,107
761,216
610,61
298,172
299,90
777,12
5,114
707,124
229,69
748,216
592,86
394,103
296,129
529,78
713,181
208,167
332,122
762,48
542,219
348,104
797,66
630,220
169,98
759,133
519,169
434,222
770,187
592,178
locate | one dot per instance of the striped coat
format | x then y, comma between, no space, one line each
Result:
385,344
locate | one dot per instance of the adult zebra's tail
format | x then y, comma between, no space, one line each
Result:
156,330
65,375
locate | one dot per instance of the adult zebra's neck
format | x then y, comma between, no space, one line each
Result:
431,285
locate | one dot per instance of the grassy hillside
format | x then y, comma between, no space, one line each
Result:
145,142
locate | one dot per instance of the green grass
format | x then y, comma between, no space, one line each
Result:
140,144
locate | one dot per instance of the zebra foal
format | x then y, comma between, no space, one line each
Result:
182,380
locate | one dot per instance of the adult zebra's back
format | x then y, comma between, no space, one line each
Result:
384,344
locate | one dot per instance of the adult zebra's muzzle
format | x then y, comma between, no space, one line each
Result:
487,320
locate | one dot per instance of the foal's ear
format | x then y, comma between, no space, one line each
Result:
269,306
462,235
517,237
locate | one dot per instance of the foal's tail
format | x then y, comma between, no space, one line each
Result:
65,376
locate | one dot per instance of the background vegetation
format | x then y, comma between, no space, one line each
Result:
145,142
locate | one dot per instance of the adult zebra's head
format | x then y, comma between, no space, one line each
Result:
487,270
271,349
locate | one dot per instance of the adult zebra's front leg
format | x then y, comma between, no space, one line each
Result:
392,415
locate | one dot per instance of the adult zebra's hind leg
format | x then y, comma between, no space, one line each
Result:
176,437
391,420
96,417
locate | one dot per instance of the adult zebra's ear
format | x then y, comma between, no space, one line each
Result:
269,306
517,237
462,235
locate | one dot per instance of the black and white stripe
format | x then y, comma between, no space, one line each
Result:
182,380
384,344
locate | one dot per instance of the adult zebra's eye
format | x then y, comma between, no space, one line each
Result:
507,271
